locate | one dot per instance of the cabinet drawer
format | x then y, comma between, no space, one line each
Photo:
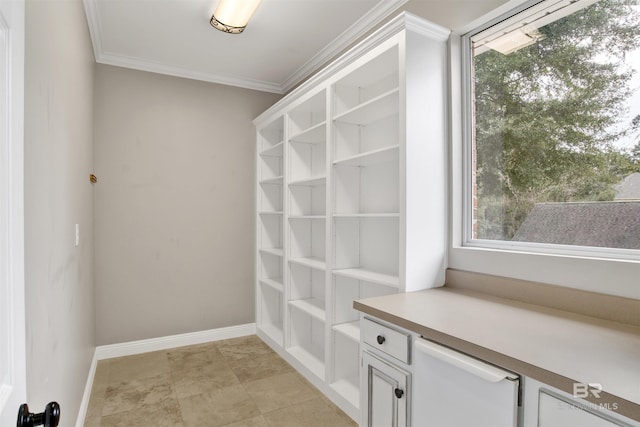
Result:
392,342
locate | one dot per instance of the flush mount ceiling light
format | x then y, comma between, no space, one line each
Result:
232,16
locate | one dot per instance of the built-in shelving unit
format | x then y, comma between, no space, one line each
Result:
351,198
307,221
270,230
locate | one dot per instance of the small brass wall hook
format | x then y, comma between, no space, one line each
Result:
93,178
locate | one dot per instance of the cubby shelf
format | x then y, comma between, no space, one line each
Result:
369,276
311,181
274,283
367,215
317,263
350,330
372,157
371,111
273,251
307,216
314,135
312,306
270,213
274,180
348,390
274,332
308,359
275,151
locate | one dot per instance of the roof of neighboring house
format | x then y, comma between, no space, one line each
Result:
629,188
601,224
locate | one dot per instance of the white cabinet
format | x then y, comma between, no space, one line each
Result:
351,198
385,379
547,406
447,380
387,393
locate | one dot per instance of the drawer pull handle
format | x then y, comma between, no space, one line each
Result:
380,339
399,393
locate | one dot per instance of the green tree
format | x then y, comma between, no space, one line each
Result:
545,116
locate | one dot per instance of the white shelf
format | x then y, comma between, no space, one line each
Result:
272,251
376,109
312,306
348,390
275,151
274,180
272,331
350,330
270,213
311,181
309,360
367,215
275,284
307,216
317,263
313,135
369,276
373,157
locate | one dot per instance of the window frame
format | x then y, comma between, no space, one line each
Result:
580,267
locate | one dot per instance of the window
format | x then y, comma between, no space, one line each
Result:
554,129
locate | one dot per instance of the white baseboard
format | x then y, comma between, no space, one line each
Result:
154,344
84,405
172,341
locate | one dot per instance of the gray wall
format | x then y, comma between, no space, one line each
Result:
60,319
174,204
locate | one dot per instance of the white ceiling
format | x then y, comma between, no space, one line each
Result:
285,41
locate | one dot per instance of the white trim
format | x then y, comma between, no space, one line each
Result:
365,24
319,80
172,341
343,41
170,70
565,266
154,344
86,396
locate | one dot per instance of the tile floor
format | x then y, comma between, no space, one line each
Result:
238,382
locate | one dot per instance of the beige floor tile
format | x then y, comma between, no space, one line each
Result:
102,372
204,379
312,413
218,408
193,356
165,413
138,366
280,391
251,422
244,348
240,382
92,421
128,395
259,367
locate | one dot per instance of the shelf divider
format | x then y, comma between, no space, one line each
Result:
317,263
369,276
373,157
350,330
312,306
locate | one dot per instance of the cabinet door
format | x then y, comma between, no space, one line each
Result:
386,393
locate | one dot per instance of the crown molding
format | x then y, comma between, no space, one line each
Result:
155,67
376,15
351,35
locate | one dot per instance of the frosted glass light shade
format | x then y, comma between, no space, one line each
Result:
232,16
